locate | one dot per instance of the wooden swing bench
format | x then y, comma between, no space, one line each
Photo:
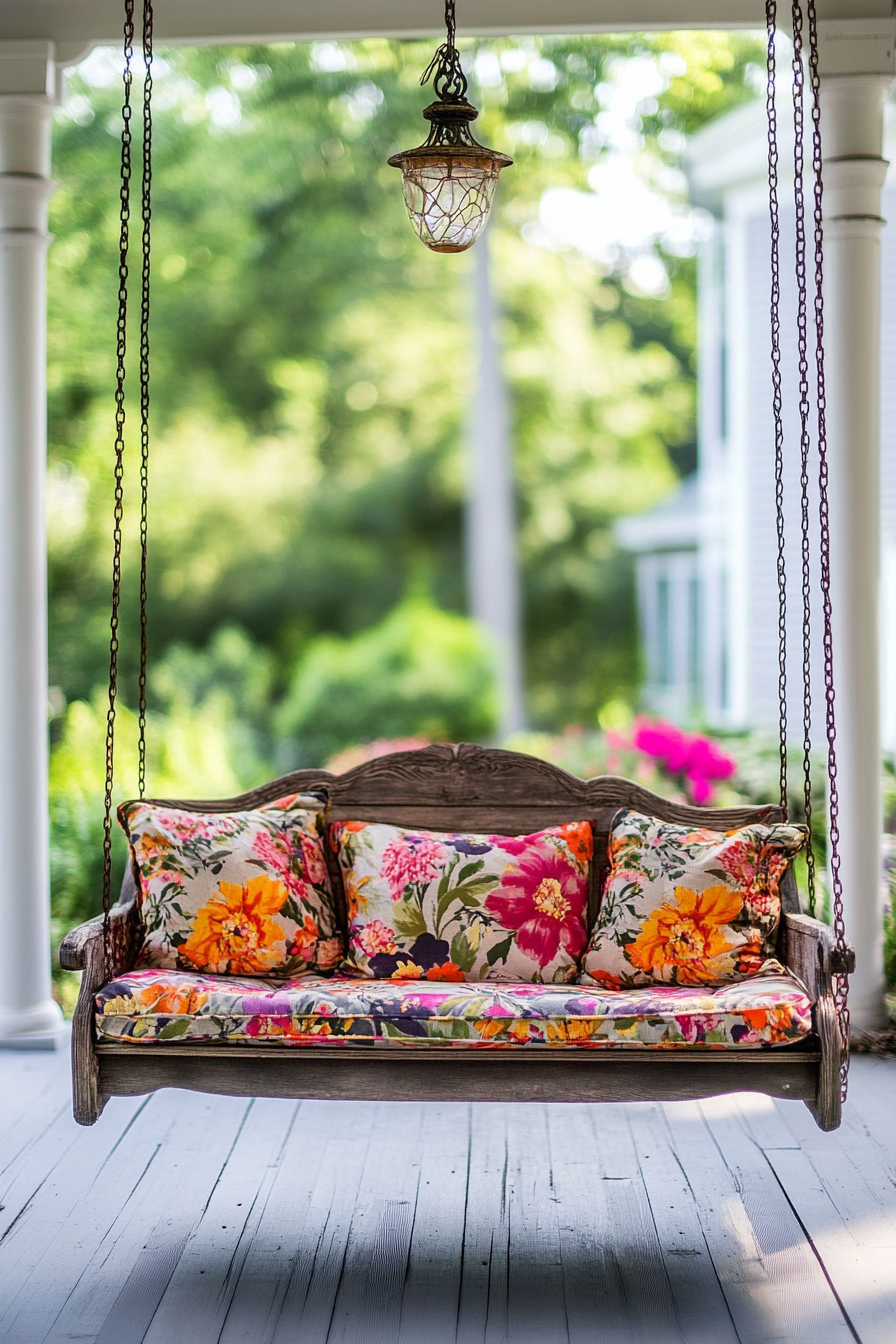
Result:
464,788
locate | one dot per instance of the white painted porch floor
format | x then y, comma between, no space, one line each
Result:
184,1219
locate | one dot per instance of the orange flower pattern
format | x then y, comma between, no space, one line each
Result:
360,1012
243,893
234,933
689,907
687,932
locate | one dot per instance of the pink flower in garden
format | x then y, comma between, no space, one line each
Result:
543,899
696,757
410,858
375,937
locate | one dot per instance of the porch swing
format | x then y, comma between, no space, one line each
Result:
464,800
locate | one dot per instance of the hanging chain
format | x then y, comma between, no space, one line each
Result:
146,211
802,344
841,981
775,221
121,332
445,69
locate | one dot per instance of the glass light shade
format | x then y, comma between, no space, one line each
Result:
448,201
449,182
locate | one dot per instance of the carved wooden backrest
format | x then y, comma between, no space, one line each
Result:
470,788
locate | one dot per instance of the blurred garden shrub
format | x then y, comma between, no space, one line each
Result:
420,672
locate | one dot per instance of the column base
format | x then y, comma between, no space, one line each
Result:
38,1028
868,1012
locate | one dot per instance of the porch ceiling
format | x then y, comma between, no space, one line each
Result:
82,23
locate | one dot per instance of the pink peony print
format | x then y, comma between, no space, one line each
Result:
756,868
313,859
543,899
635,877
375,937
411,858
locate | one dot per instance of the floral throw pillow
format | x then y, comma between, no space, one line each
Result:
687,906
465,907
239,893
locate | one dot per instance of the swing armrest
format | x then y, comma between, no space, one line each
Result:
811,952
84,945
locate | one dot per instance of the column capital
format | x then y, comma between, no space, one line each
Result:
28,67
857,47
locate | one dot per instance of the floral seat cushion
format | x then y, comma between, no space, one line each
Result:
457,907
311,1010
241,893
689,906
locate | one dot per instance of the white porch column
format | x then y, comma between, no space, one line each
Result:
492,566
27,1011
857,73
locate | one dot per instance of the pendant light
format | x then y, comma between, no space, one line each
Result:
449,181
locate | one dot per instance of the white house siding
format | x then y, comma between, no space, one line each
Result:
736,545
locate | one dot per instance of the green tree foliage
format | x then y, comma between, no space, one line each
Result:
312,363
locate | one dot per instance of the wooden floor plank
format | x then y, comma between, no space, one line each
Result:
432,1285
536,1305
34,1090
137,1214
51,1179
307,1309
196,1301
843,1189
264,1277
773,1283
109,1254
648,1301
367,1309
700,1306
482,1301
592,1284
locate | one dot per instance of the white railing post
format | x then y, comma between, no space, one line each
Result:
27,1011
857,71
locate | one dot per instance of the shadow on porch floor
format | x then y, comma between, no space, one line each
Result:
196,1219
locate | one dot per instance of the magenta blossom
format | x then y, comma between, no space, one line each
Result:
543,898
698,758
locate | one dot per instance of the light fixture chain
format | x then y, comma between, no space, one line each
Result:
445,69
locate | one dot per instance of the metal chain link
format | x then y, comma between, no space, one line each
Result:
445,69
121,332
775,222
841,982
146,212
805,440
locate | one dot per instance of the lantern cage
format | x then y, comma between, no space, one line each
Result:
449,181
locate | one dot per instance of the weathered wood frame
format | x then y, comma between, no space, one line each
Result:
478,789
